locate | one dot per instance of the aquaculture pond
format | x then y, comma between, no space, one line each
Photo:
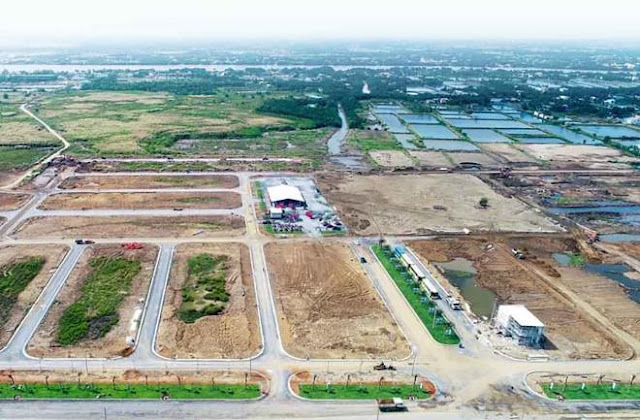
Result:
430,131
569,135
486,136
541,140
393,123
406,141
470,123
461,274
420,119
613,131
451,145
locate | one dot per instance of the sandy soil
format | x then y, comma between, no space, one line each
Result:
391,158
130,227
53,255
327,307
568,152
233,334
126,182
475,157
43,343
432,159
10,201
422,204
508,153
569,332
84,201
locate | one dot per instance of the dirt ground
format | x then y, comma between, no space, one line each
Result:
327,307
570,332
235,333
423,204
590,156
53,255
11,201
43,343
431,159
475,157
508,153
127,182
391,158
146,200
130,227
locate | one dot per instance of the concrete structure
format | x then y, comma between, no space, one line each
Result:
285,196
518,322
276,213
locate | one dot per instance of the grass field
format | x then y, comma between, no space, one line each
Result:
439,328
95,312
21,158
14,278
361,391
204,292
135,123
574,391
367,140
133,391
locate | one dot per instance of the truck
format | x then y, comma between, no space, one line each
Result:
454,303
391,404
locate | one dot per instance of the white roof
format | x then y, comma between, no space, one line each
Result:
284,192
521,315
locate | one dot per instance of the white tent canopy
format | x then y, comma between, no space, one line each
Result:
284,192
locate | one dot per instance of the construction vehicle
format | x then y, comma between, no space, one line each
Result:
517,253
505,172
391,405
382,366
84,242
132,245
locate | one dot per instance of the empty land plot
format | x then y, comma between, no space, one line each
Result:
61,227
472,157
391,158
433,159
144,200
92,314
232,333
327,307
508,152
570,333
367,140
423,204
568,152
11,201
24,272
151,182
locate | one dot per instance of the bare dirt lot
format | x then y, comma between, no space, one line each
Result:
127,182
423,204
327,307
571,332
432,159
43,343
508,153
130,227
11,201
146,200
53,255
234,333
391,158
589,156
472,157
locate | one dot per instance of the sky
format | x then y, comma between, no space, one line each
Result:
79,21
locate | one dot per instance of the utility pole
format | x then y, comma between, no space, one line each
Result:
415,356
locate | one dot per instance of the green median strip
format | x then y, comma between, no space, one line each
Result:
592,391
361,392
133,391
427,311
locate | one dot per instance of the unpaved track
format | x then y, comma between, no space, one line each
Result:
132,182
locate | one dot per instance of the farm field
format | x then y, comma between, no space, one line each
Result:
127,182
19,293
93,311
571,332
329,310
63,227
412,204
232,333
13,201
112,123
142,200
368,140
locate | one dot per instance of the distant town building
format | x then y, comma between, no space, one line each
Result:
518,322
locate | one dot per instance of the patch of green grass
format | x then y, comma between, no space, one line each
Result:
95,312
205,292
134,391
360,392
21,158
366,140
576,259
439,328
14,278
573,391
